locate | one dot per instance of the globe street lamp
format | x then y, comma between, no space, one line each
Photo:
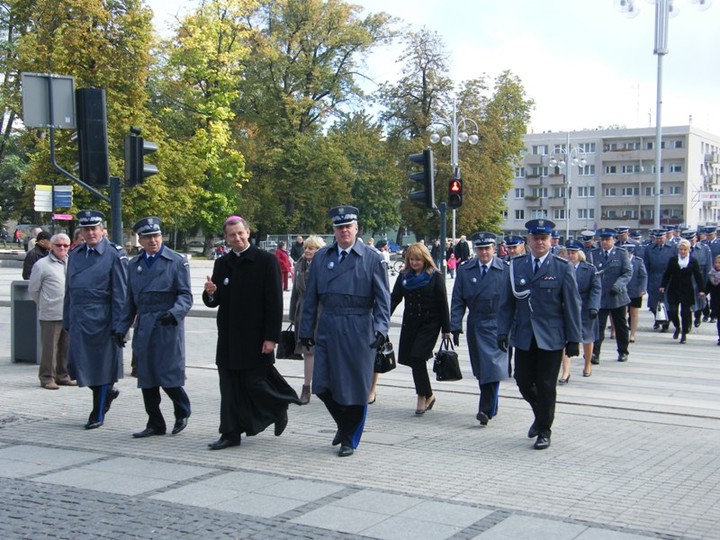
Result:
565,158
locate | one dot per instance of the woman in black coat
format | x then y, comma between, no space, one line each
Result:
426,312
683,285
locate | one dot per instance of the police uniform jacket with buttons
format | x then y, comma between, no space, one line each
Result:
250,308
637,285
95,292
590,289
345,304
481,298
425,313
551,310
656,261
154,290
702,254
615,273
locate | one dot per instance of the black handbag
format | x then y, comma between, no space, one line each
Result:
385,358
446,365
286,345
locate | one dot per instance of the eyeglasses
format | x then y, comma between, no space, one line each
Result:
62,245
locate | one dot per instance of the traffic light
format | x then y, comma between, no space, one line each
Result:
136,148
426,177
455,193
92,136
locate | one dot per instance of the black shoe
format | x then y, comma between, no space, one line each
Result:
665,326
280,424
533,431
697,323
594,359
148,432
542,442
705,319
565,380
337,438
112,395
93,424
482,418
622,358
683,338
656,326
676,333
180,424
223,443
345,451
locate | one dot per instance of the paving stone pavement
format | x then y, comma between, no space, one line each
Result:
635,455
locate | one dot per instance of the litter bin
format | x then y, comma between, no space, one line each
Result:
24,325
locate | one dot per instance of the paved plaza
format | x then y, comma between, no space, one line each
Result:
635,454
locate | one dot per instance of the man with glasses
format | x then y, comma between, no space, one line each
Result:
47,289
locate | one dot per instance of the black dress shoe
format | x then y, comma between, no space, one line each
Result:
595,359
622,358
483,418
180,424
280,424
565,380
533,431
223,443
676,333
148,432
112,395
683,338
542,442
337,438
345,451
656,326
94,424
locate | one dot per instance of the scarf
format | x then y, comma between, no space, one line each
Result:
714,277
683,262
413,281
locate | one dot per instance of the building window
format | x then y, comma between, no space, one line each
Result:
647,213
586,191
588,147
539,192
539,214
540,149
630,191
676,167
519,193
559,192
631,169
611,169
538,170
587,170
610,192
519,214
559,213
504,214
675,190
677,144
519,172
586,213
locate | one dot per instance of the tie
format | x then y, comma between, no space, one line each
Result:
606,255
483,271
537,265
89,250
343,254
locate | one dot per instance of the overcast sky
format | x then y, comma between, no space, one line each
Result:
582,61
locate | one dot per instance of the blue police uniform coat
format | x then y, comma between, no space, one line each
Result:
656,261
345,304
481,297
590,289
638,283
702,254
551,310
95,292
615,273
153,290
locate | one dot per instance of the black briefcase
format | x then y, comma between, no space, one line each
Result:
446,365
286,346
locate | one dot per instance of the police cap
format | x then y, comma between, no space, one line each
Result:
90,218
148,226
343,215
539,227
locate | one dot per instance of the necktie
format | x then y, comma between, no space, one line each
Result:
537,265
483,271
606,255
89,250
343,254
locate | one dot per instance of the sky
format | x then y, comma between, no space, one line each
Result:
583,62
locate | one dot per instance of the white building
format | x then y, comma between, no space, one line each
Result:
611,177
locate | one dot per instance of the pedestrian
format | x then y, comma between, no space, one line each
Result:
702,254
684,288
17,237
33,238
462,250
590,290
656,260
159,297
284,263
77,238
297,298
539,315
477,290
47,289
421,286
40,249
297,251
4,236
636,288
246,288
452,265
712,289
94,299
436,252
347,316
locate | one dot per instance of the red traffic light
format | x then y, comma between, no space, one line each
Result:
455,186
455,193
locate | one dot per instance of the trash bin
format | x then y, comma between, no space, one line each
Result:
24,325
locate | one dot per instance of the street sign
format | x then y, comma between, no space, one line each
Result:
36,91
62,217
43,198
62,197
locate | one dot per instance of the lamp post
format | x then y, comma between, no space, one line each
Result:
664,9
567,158
458,134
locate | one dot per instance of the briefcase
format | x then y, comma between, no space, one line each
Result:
286,346
446,365
385,358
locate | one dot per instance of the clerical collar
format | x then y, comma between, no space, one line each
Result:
238,253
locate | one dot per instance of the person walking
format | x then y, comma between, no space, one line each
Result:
462,250
285,265
656,260
539,315
712,289
47,289
421,286
477,290
39,250
96,288
297,298
636,288
159,297
346,315
684,288
246,288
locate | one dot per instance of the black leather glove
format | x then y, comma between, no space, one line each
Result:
502,343
119,340
456,337
306,342
378,342
593,313
167,319
572,349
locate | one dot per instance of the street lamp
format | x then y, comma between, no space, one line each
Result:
458,134
566,158
664,9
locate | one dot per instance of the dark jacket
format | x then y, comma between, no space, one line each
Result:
682,285
249,296
33,256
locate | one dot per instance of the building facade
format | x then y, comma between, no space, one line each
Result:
605,178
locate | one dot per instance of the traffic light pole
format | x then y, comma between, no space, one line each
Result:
441,209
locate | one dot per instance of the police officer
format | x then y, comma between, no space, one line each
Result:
347,316
540,311
702,254
477,290
656,260
555,245
636,287
96,287
515,245
588,244
615,271
159,297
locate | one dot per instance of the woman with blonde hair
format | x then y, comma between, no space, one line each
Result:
422,286
302,267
